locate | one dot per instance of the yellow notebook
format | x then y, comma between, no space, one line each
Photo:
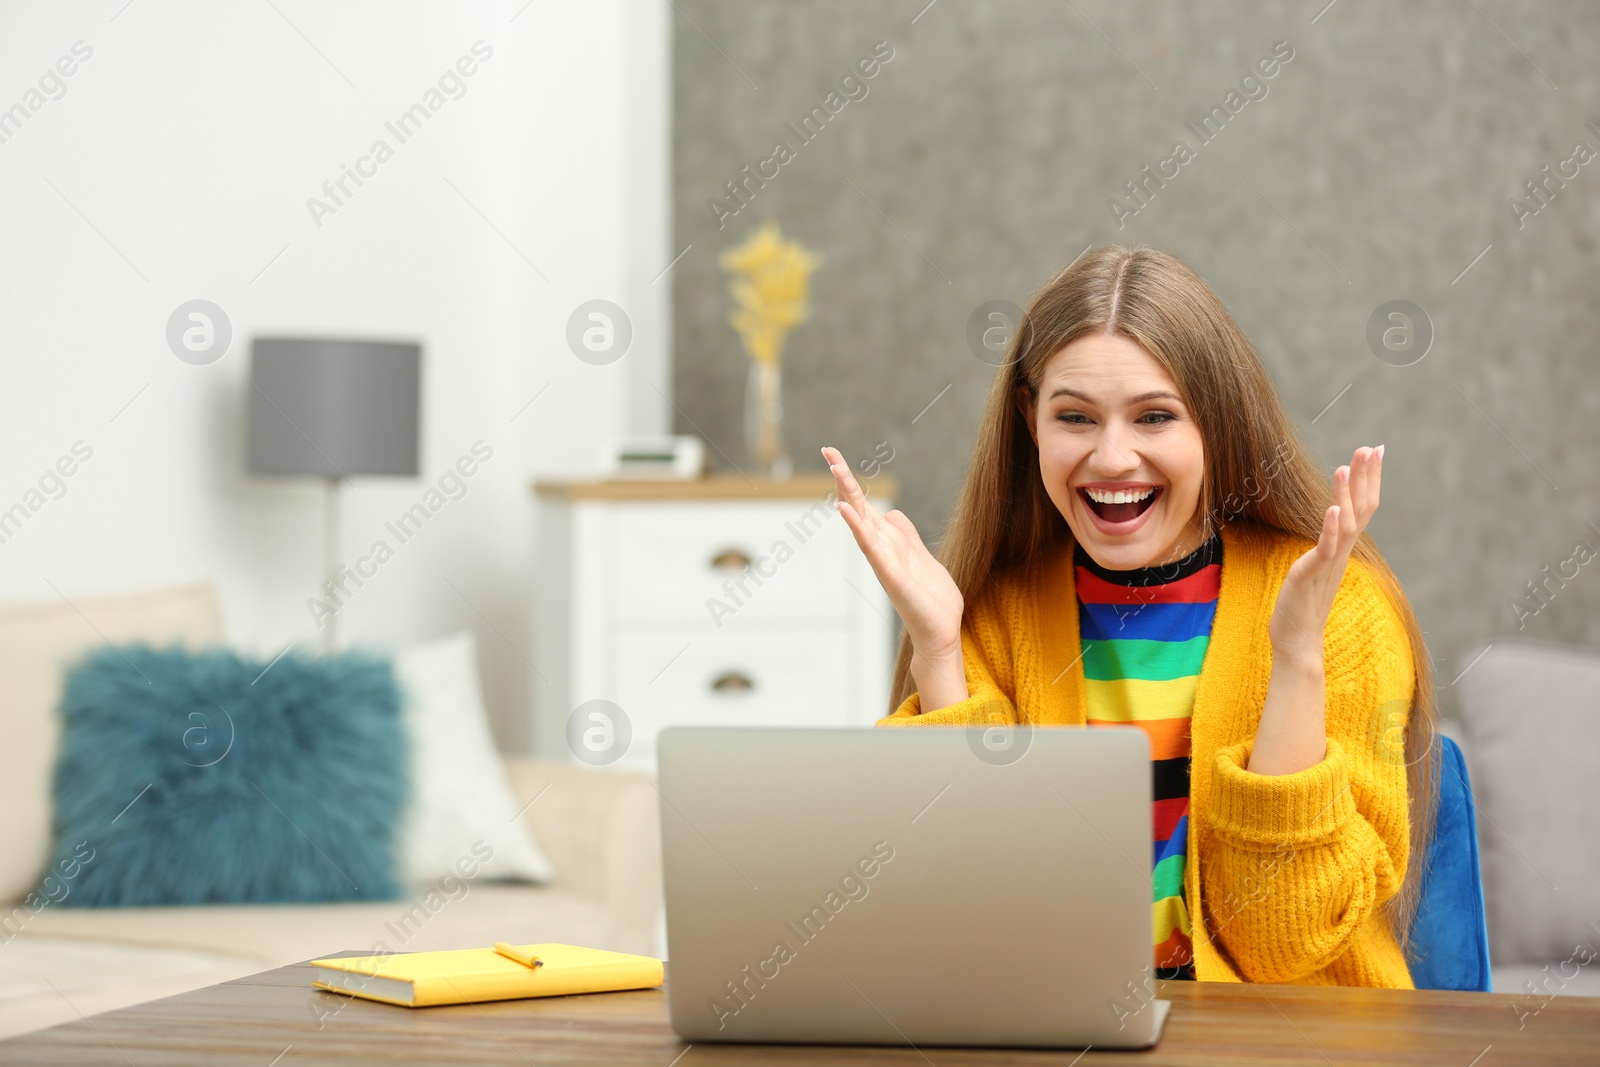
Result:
425,979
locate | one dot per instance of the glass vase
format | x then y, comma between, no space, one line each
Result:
763,421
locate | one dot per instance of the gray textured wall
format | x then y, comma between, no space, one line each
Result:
1378,166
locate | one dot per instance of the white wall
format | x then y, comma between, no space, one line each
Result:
187,146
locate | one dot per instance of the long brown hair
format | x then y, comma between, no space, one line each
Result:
1004,518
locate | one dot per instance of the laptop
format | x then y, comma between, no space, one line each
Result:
933,886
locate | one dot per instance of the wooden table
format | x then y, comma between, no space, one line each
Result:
275,1019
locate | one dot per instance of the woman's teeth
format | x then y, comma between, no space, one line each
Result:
1121,505
1119,496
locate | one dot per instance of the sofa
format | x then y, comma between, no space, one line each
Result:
1530,728
599,829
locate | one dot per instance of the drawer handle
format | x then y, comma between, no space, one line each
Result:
732,682
730,559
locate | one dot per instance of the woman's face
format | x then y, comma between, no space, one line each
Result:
1119,452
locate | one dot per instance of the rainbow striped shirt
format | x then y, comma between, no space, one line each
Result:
1145,633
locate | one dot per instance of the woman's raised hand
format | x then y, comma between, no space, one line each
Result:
1306,596
1292,733
922,591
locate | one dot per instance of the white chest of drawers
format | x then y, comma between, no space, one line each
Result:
719,601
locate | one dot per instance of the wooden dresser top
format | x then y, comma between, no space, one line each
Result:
719,486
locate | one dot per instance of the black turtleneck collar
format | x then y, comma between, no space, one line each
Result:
1160,574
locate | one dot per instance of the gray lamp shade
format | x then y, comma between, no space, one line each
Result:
334,409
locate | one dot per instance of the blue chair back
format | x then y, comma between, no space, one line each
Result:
1450,938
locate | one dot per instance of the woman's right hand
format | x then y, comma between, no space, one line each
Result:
922,591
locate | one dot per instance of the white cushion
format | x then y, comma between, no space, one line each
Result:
37,642
459,793
1532,715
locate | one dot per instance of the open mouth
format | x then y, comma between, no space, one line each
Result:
1120,505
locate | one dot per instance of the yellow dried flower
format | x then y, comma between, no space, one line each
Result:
770,284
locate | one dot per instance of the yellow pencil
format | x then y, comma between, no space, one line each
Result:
510,952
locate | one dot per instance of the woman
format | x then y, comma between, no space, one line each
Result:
1159,549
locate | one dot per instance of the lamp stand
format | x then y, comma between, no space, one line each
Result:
330,559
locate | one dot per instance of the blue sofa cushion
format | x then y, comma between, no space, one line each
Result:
1450,940
208,778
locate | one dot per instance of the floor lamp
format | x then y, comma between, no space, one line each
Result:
335,410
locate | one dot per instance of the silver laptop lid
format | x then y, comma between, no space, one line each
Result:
910,886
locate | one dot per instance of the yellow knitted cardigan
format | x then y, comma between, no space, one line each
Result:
1288,871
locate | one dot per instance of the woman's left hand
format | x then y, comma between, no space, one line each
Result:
1306,597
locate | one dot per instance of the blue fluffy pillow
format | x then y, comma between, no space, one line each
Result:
206,778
